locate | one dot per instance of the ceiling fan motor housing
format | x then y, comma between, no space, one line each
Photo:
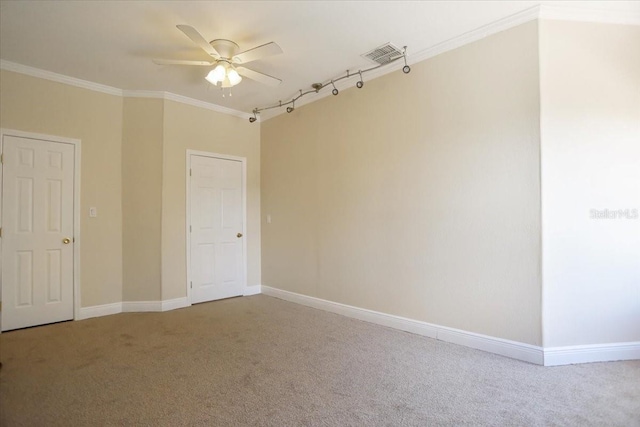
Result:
226,48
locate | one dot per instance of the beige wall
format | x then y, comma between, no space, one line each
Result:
590,97
417,195
142,198
188,127
41,106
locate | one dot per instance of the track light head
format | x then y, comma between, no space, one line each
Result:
293,106
360,83
335,89
406,69
252,119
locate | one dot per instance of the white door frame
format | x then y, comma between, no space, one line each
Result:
76,204
243,160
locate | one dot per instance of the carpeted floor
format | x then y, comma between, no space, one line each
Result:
260,361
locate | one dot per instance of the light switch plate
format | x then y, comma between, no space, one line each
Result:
93,212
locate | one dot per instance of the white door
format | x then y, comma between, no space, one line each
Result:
216,228
37,232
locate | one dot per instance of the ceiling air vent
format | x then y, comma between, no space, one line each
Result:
383,54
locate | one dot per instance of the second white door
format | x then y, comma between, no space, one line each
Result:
216,218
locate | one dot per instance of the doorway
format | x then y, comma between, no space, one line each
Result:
216,218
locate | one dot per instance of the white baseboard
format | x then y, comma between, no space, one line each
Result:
141,306
252,290
389,320
554,356
513,349
550,356
131,307
516,350
99,310
173,304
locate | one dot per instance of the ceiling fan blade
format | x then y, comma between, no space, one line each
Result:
259,77
181,62
257,53
197,38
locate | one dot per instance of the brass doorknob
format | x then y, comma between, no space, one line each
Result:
239,235
66,240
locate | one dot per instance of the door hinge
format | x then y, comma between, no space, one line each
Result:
189,172
191,283
2,158
189,229
0,231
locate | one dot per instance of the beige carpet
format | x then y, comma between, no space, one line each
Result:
259,361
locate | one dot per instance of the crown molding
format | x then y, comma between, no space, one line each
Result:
479,33
527,15
96,87
168,96
149,94
206,105
601,16
58,78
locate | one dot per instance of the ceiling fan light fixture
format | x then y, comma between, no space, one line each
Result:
234,77
211,78
225,74
217,74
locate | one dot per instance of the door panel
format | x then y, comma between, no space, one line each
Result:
37,214
216,219
54,275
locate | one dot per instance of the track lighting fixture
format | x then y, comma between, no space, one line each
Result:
317,87
406,69
293,106
255,117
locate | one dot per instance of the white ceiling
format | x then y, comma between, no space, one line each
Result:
113,42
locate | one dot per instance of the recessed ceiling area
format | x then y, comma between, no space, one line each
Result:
113,43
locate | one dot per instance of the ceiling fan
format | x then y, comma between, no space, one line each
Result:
227,62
